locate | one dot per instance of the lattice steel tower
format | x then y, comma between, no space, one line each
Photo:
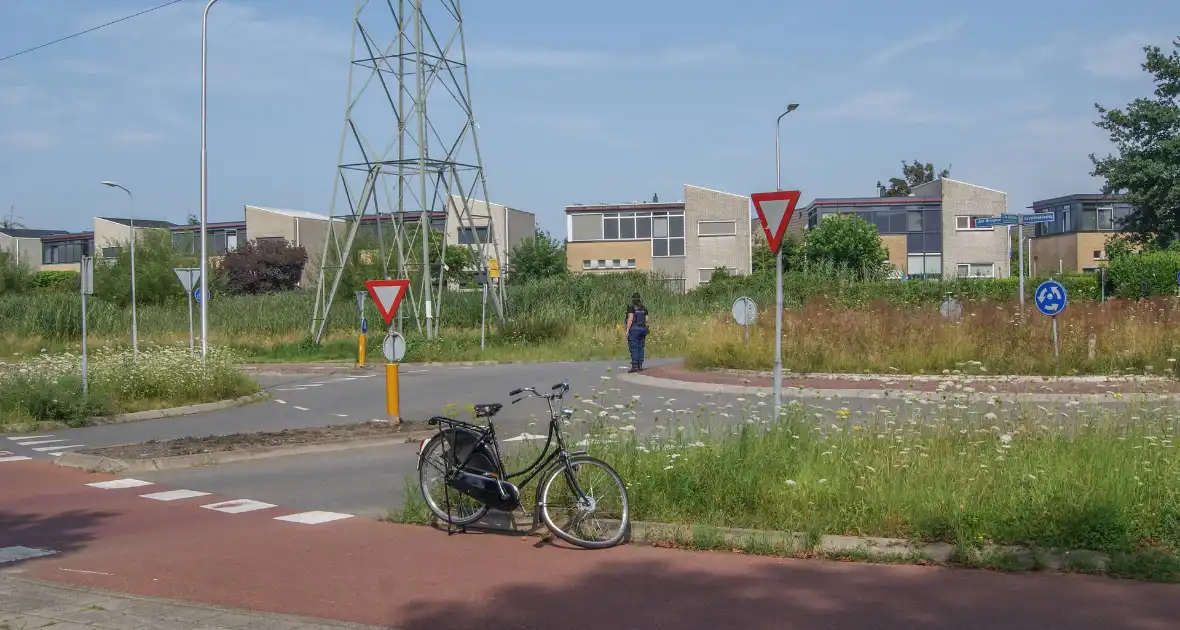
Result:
433,158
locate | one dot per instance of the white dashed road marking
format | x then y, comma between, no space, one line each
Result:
12,458
116,484
28,437
34,442
340,415
174,495
526,436
238,506
300,408
313,518
47,449
14,554
281,402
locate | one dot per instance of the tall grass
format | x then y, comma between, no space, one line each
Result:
47,390
998,337
1085,482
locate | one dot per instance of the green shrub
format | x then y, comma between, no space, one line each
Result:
57,280
1156,271
14,276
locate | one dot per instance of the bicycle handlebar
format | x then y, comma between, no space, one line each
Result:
555,391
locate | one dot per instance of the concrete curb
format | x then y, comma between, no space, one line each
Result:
897,394
938,378
873,548
99,463
155,414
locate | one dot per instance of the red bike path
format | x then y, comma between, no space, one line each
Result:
414,578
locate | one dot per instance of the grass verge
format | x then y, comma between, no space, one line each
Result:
1086,479
46,392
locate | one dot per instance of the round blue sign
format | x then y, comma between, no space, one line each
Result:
1050,297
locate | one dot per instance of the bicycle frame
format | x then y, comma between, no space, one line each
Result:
486,437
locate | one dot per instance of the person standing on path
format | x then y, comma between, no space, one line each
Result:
636,331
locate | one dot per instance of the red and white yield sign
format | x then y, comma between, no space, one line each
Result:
775,210
387,295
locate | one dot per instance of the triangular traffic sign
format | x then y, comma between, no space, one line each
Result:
188,277
775,210
387,295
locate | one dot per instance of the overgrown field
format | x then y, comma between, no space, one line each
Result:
46,391
832,323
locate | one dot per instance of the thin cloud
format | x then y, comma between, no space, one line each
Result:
1120,57
893,105
939,33
31,139
508,58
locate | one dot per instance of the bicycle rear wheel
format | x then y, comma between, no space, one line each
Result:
447,503
596,518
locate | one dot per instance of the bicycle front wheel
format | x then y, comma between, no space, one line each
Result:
585,503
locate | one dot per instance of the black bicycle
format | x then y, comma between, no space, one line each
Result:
467,458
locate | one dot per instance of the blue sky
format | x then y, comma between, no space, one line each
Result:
576,102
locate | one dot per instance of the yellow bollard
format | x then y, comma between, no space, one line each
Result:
392,402
360,351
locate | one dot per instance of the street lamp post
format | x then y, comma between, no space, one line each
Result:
778,275
204,192
134,321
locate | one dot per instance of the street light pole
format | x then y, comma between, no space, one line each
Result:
204,191
134,320
778,275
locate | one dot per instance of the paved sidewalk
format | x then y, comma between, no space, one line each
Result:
417,578
27,604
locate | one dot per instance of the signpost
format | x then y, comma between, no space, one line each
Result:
87,289
387,296
774,210
744,313
1051,299
188,277
1017,220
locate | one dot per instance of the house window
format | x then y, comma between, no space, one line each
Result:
1106,218
976,270
716,228
1066,219
630,263
586,264
110,252
924,264
473,235
705,275
610,227
914,221
1099,254
231,240
668,236
967,223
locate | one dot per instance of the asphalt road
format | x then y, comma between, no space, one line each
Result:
370,480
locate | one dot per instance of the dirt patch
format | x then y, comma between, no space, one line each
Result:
246,441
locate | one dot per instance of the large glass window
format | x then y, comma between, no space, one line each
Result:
1105,218
473,235
668,235
914,221
610,227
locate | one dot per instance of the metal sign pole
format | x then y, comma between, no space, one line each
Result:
778,334
1020,243
191,345
87,288
1056,346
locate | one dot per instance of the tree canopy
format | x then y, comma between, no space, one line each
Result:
537,257
1146,170
844,242
912,175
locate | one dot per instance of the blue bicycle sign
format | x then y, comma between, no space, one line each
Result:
1051,298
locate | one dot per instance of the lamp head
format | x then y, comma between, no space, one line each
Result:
792,107
111,184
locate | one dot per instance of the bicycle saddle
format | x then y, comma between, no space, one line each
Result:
488,410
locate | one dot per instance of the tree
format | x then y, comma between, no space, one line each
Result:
913,175
537,257
845,242
155,282
263,267
1147,169
763,259
11,222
